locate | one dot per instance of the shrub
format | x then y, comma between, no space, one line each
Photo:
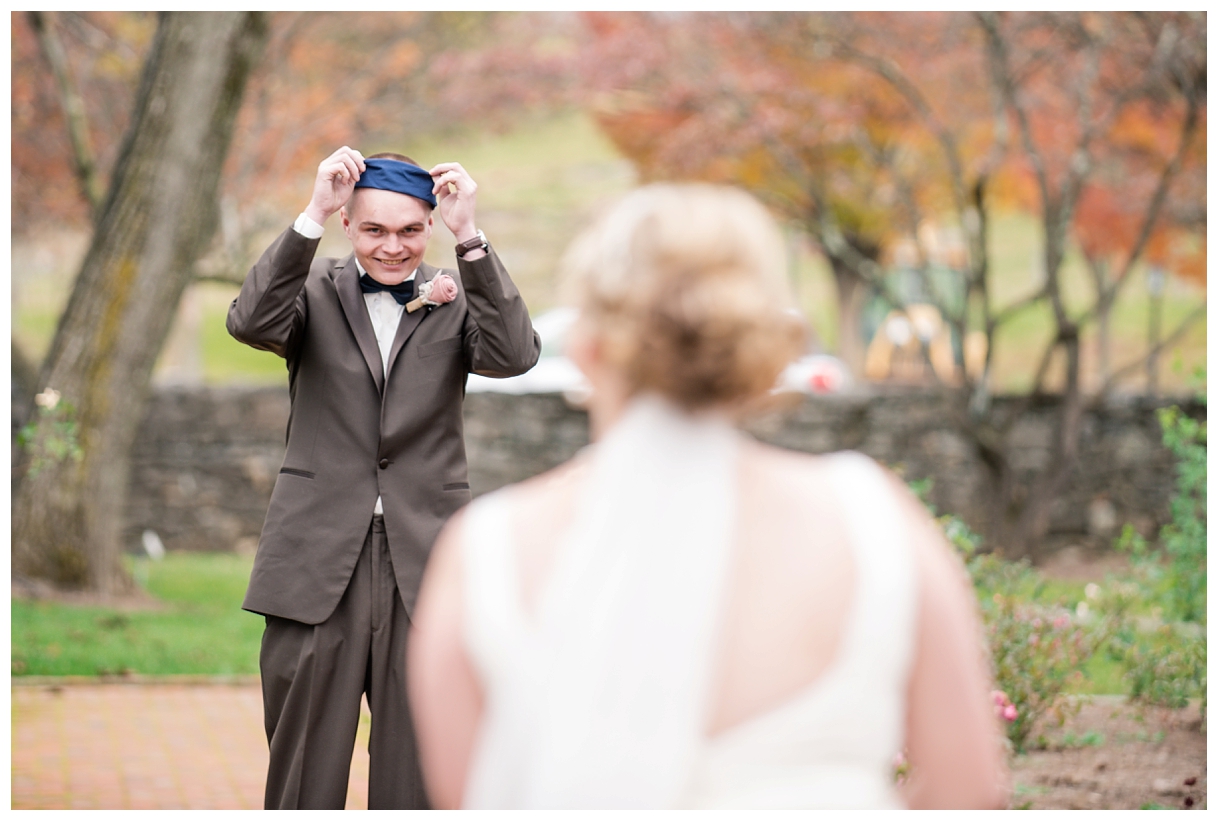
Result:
1037,651
1165,665
1169,671
1183,539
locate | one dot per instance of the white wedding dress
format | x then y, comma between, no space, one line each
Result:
598,699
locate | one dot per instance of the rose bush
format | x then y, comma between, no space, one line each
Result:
1037,654
1153,622
1036,651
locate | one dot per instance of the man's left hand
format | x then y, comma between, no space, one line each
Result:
456,206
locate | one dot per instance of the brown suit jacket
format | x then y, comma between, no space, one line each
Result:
353,433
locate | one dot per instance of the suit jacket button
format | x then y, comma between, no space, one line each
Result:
384,463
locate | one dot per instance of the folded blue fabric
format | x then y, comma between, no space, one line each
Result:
402,177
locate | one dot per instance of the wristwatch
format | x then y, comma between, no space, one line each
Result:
479,241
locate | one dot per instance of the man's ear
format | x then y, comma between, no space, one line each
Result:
348,227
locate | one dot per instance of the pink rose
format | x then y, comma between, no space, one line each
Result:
1003,706
443,289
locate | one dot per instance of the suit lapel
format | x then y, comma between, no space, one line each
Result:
410,321
346,281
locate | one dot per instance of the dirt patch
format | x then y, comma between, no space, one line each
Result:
1078,563
1115,755
36,590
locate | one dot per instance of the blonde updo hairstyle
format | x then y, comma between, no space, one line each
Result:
684,288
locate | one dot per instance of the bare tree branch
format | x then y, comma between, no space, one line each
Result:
1017,306
1000,72
1187,130
73,109
1175,336
1058,211
1050,206
890,72
1042,370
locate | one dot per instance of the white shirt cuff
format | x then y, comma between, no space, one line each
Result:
307,228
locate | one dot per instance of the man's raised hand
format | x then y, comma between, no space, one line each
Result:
336,178
456,207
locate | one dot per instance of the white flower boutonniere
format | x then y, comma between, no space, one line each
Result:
438,291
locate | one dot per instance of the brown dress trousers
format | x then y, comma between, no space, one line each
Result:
312,680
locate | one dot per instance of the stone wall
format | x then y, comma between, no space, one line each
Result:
206,461
203,467
1125,473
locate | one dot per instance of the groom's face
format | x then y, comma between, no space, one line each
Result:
388,232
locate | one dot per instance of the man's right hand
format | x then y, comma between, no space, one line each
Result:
336,178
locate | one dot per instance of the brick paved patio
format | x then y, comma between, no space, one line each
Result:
147,745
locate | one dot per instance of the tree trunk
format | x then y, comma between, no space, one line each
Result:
851,292
158,216
1105,295
850,347
1103,310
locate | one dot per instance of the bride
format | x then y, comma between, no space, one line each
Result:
681,617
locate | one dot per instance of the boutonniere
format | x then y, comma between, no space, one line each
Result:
438,291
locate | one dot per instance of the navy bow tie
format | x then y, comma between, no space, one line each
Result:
403,292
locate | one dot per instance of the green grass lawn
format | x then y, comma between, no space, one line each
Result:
200,628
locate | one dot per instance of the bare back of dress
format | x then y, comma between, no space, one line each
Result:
599,699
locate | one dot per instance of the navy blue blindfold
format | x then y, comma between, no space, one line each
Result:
402,177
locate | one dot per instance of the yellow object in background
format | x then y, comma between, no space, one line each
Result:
906,341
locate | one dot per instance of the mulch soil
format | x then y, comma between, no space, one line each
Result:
1116,755
1112,754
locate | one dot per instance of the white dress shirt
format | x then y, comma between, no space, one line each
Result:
384,311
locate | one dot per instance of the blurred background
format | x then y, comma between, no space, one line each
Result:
555,113
995,226
995,229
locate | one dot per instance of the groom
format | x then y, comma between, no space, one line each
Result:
377,346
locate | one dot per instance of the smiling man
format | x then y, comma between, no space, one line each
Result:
378,346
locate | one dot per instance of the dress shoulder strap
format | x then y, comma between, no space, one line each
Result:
885,612
492,609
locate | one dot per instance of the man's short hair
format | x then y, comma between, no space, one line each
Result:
389,155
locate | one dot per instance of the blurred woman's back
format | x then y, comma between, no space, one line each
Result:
681,617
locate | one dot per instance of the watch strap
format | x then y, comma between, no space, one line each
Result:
470,244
